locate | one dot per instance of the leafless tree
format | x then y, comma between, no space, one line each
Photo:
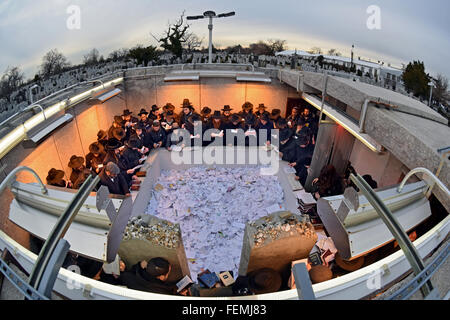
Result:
174,37
11,80
277,45
119,54
315,50
92,57
440,91
334,52
192,42
53,62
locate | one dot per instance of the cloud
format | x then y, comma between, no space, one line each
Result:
410,29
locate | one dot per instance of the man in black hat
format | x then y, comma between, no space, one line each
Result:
77,165
216,131
226,113
128,123
196,129
157,136
285,133
95,157
264,130
55,178
205,114
112,178
233,129
261,111
155,113
188,110
293,117
102,137
275,115
141,136
144,120
117,123
247,115
114,150
169,123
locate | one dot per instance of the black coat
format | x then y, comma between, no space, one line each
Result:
156,137
132,157
92,161
118,186
138,279
264,132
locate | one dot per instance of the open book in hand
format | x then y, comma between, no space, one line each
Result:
184,283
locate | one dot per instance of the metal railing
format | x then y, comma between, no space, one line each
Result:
422,278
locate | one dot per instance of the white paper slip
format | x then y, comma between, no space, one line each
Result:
138,167
268,171
275,208
306,197
177,148
143,158
289,170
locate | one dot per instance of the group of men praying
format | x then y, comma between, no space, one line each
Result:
117,154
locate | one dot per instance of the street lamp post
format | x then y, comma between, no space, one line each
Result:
211,15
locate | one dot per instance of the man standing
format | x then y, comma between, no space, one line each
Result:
144,121
188,110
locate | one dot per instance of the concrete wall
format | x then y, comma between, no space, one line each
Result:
213,93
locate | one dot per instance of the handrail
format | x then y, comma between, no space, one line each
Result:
59,230
418,281
12,175
429,173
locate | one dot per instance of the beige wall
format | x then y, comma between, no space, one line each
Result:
213,93
384,168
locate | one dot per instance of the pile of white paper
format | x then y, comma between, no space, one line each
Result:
212,206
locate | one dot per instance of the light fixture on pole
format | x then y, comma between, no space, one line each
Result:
431,84
211,15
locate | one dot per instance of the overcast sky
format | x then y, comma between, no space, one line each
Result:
410,30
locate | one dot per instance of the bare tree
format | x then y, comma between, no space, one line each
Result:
277,45
53,62
119,54
192,42
440,91
315,50
11,80
93,57
174,37
334,52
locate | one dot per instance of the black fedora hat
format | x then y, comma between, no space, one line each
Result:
247,106
118,120
75,162
126,112
54,176
264,280
113,144
133,143
186,104
168,106
217,115
275,112
143,111
226,108
235,118
96,147
118,133
139,126
265,117
262,106
205,111
102,135
155,107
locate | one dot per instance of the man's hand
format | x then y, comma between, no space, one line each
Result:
315,180
130,171
292,164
